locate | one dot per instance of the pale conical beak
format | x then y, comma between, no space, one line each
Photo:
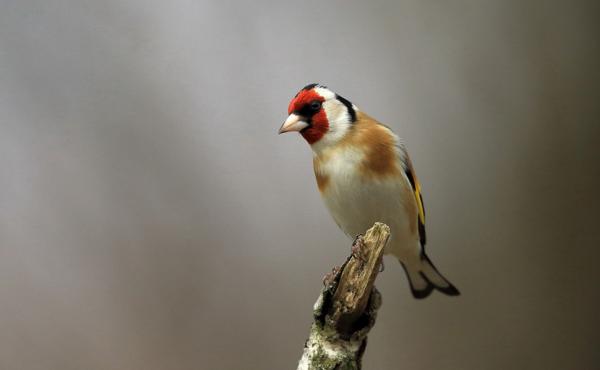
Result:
293,123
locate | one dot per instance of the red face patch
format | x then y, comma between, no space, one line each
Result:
318,124
303,98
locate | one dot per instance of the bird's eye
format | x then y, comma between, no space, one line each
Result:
316,105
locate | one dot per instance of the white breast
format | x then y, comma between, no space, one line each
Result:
356,203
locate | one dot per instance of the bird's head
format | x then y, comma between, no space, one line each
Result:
321,116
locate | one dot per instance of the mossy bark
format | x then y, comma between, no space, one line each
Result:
347,307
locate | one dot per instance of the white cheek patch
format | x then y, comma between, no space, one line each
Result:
339,124
338,117
336,112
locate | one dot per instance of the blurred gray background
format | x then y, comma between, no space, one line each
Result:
151,218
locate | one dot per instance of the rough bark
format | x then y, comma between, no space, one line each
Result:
347,307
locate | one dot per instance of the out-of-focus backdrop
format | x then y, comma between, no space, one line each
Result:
151,217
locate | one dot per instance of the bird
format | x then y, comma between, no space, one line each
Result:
364,175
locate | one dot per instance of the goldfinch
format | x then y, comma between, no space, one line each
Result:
364,175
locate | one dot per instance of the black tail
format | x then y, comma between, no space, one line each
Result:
424,278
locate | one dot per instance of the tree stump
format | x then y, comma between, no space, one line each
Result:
347,307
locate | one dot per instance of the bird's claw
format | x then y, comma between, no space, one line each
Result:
329,278
357,244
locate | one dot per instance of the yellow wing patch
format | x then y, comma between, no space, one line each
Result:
416,186
419,201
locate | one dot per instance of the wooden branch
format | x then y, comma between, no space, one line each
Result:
347,307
